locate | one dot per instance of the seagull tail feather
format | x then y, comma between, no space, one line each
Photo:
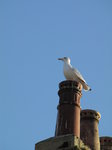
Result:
86,87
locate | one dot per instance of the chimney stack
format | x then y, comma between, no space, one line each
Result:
68,117
89,128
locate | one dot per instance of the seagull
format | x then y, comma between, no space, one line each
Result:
71,73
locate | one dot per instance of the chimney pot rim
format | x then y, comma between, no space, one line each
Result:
90,113
70,84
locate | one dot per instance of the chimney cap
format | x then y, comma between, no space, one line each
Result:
88,113
70,84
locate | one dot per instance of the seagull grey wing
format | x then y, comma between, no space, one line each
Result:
78,74
81,79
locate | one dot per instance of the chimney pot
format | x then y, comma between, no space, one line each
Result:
89,128
106,143
68,118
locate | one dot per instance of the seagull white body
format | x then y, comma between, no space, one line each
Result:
71,73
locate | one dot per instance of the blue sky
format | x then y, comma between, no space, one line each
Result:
33,35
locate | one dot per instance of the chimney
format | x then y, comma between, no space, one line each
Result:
106,143
68,117
89,128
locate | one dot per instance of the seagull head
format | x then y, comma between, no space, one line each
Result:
65,60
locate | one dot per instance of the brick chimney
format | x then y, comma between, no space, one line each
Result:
106,143
89,128
68,117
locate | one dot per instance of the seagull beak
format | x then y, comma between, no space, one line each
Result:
60,58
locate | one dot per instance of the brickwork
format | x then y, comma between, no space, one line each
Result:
65,142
